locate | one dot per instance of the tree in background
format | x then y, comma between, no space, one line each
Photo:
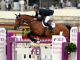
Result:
25,31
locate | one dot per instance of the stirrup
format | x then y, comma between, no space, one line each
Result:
51,29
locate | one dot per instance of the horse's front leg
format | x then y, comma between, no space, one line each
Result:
31,37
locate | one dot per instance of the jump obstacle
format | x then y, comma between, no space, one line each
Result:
8,53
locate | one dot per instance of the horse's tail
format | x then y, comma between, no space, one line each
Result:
68,26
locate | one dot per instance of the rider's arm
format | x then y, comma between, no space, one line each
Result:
36,15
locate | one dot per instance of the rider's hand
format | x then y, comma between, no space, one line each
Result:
34,18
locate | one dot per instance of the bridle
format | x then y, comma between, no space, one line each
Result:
30,21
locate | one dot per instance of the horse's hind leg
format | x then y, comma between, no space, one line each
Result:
31,37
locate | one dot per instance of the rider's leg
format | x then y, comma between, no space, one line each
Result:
53,24
47,23
47,18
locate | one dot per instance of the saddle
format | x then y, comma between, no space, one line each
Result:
49,24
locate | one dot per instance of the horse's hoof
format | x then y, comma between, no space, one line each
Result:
35,41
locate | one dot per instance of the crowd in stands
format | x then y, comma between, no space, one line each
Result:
10,6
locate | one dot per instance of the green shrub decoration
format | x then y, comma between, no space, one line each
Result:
46,47
71,47
25,31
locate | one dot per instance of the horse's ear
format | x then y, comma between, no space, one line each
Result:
16,15
19,15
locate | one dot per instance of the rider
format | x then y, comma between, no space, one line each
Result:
44,15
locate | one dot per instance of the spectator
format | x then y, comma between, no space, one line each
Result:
68,3
61,3
3,5
51,7
9,7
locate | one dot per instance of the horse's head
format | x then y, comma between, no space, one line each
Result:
25,18
20,19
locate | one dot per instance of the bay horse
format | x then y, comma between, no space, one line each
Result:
37,29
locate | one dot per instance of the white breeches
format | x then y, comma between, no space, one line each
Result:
53,24
47,19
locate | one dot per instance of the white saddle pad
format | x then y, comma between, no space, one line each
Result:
52,24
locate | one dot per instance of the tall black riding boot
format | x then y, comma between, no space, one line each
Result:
49,26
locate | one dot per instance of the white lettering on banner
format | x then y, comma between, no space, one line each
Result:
57,46
2,44
73,39
18,37
73,35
